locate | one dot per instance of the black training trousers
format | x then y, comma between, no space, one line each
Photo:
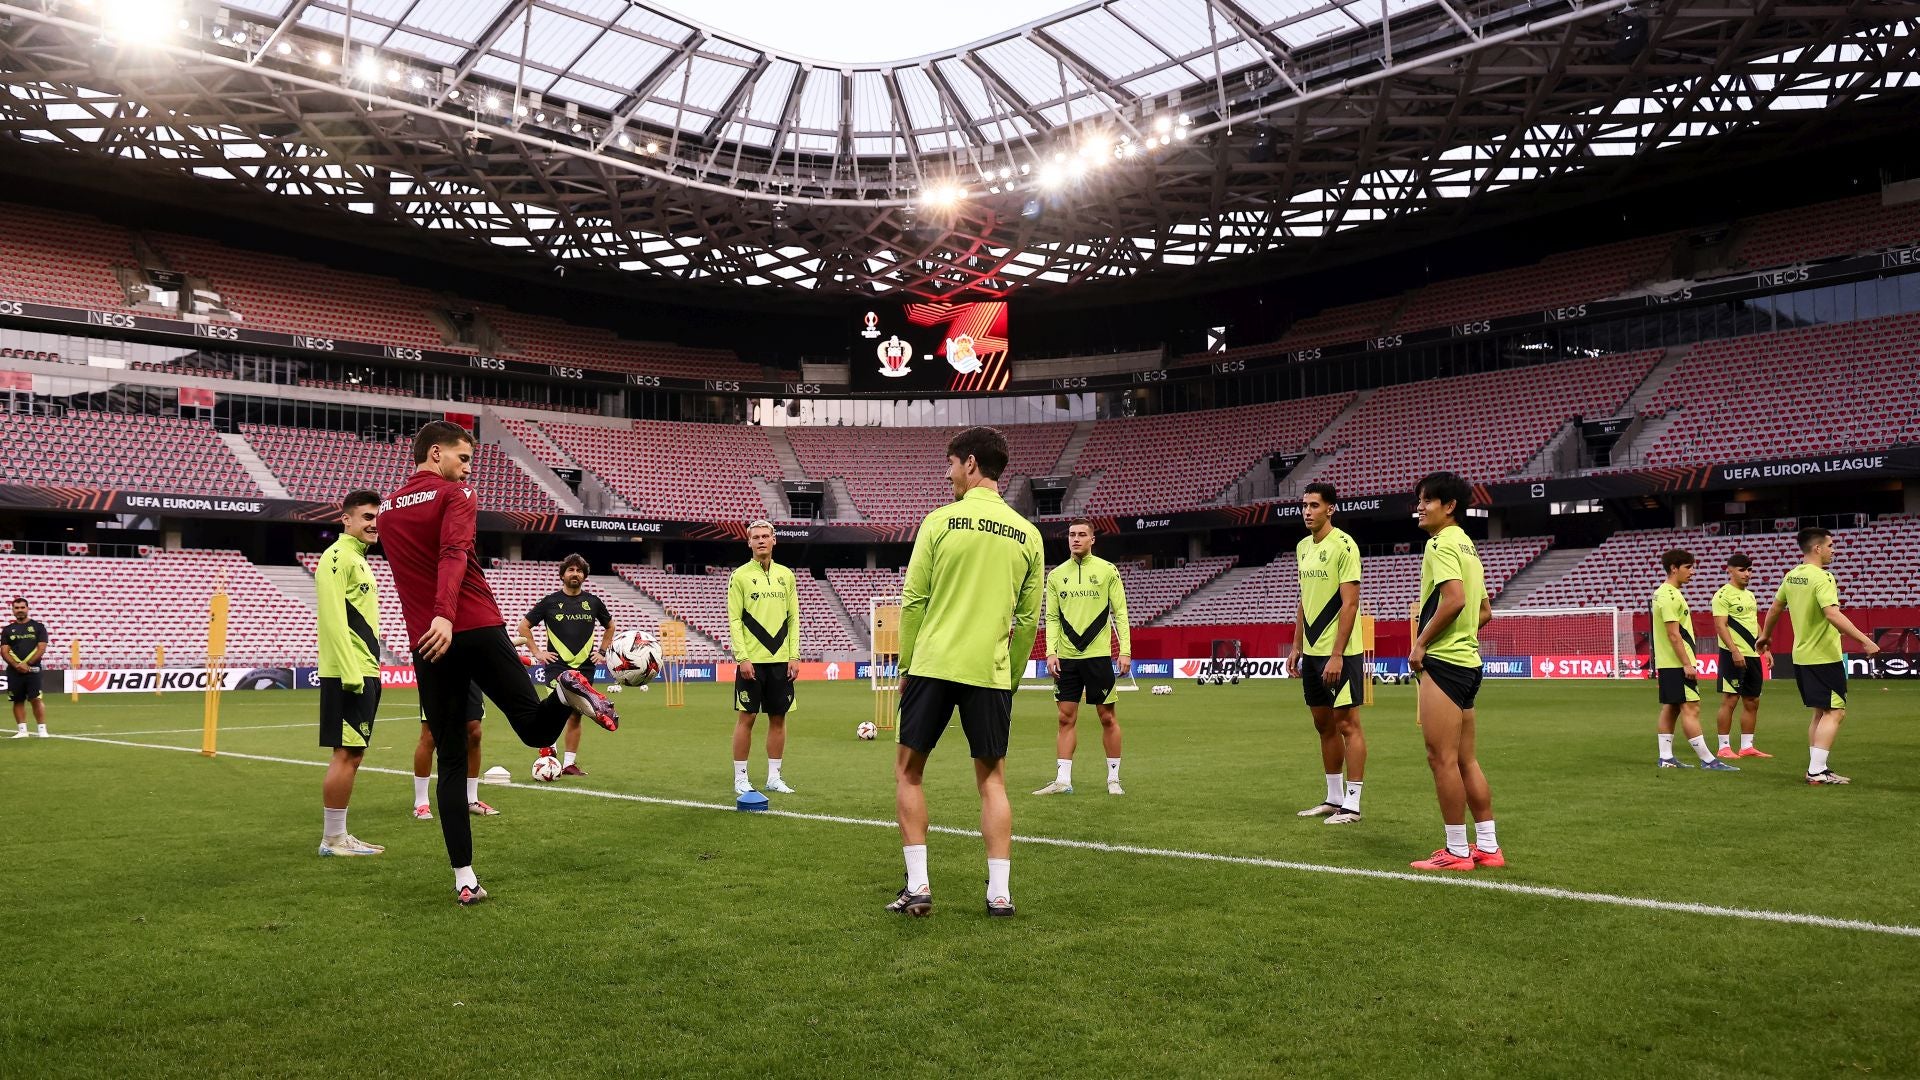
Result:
484,657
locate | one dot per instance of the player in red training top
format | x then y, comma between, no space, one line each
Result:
458,635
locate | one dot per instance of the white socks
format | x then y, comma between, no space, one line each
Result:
998,870
473,789
1113,770
739,773
336,821
916,866
1483,836
463,877
567,760
1063,771
1457,840
1699,744
1666,745
1746,741
1352,800
1816,761
773,769
420,789
1726,742
43,731
1334,781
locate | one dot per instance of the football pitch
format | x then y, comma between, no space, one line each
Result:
167,914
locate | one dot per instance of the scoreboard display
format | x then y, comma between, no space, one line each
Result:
931,348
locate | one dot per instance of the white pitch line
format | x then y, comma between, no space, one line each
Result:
186,730
1454,880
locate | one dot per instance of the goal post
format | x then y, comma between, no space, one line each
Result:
1588,642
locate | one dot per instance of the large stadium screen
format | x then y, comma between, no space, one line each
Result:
931,348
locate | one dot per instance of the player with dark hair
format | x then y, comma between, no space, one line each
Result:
23,644
1675,667
977,570
763,626
423,756
1810,594
1453,606
570,615
347,604
457,631
1736,625
1326,653
1086,609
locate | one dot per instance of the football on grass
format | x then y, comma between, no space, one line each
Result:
866,730
546,767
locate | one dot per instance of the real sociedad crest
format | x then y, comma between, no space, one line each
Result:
961,355
873,326
894,355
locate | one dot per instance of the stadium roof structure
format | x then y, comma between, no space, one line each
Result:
1116,140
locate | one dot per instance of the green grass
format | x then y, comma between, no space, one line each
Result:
167,915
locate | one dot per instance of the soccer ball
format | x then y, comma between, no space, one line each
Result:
634,659
546,767
866,731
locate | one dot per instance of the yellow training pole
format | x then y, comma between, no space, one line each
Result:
73,688
216,653
1366,657
673,659
883,659
159,661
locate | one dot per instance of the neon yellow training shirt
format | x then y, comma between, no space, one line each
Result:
347,601
1809,591
1324,567
1743,629
1451,556
1086,604
970,605
1670,606
763,614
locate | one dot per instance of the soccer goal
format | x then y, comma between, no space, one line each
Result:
1578,643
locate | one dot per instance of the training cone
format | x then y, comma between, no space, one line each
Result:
496,775
752,800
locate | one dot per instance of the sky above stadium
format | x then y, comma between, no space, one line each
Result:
865,31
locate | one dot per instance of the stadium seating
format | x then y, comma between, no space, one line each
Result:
1873,565
119,609
62,259
896,475
1556,281
322,465
1389,585
1485,427
554,341
688,472
700,600
1186,460
1809,390
122,451
1829,230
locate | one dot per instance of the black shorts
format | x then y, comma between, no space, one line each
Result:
1746,682
770,690
1822,686
1351,690
1092,677
1460,684
1678,686
23,685
346,719
926,705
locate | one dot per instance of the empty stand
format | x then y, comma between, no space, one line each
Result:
898,474
1556,281
1389,585
1484,427
119,609
556,342
118,450
61,259
324,465
1873,565
1810,390
1829,230
689,472
700,600
1185,460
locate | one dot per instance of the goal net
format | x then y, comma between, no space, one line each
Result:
1571,643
